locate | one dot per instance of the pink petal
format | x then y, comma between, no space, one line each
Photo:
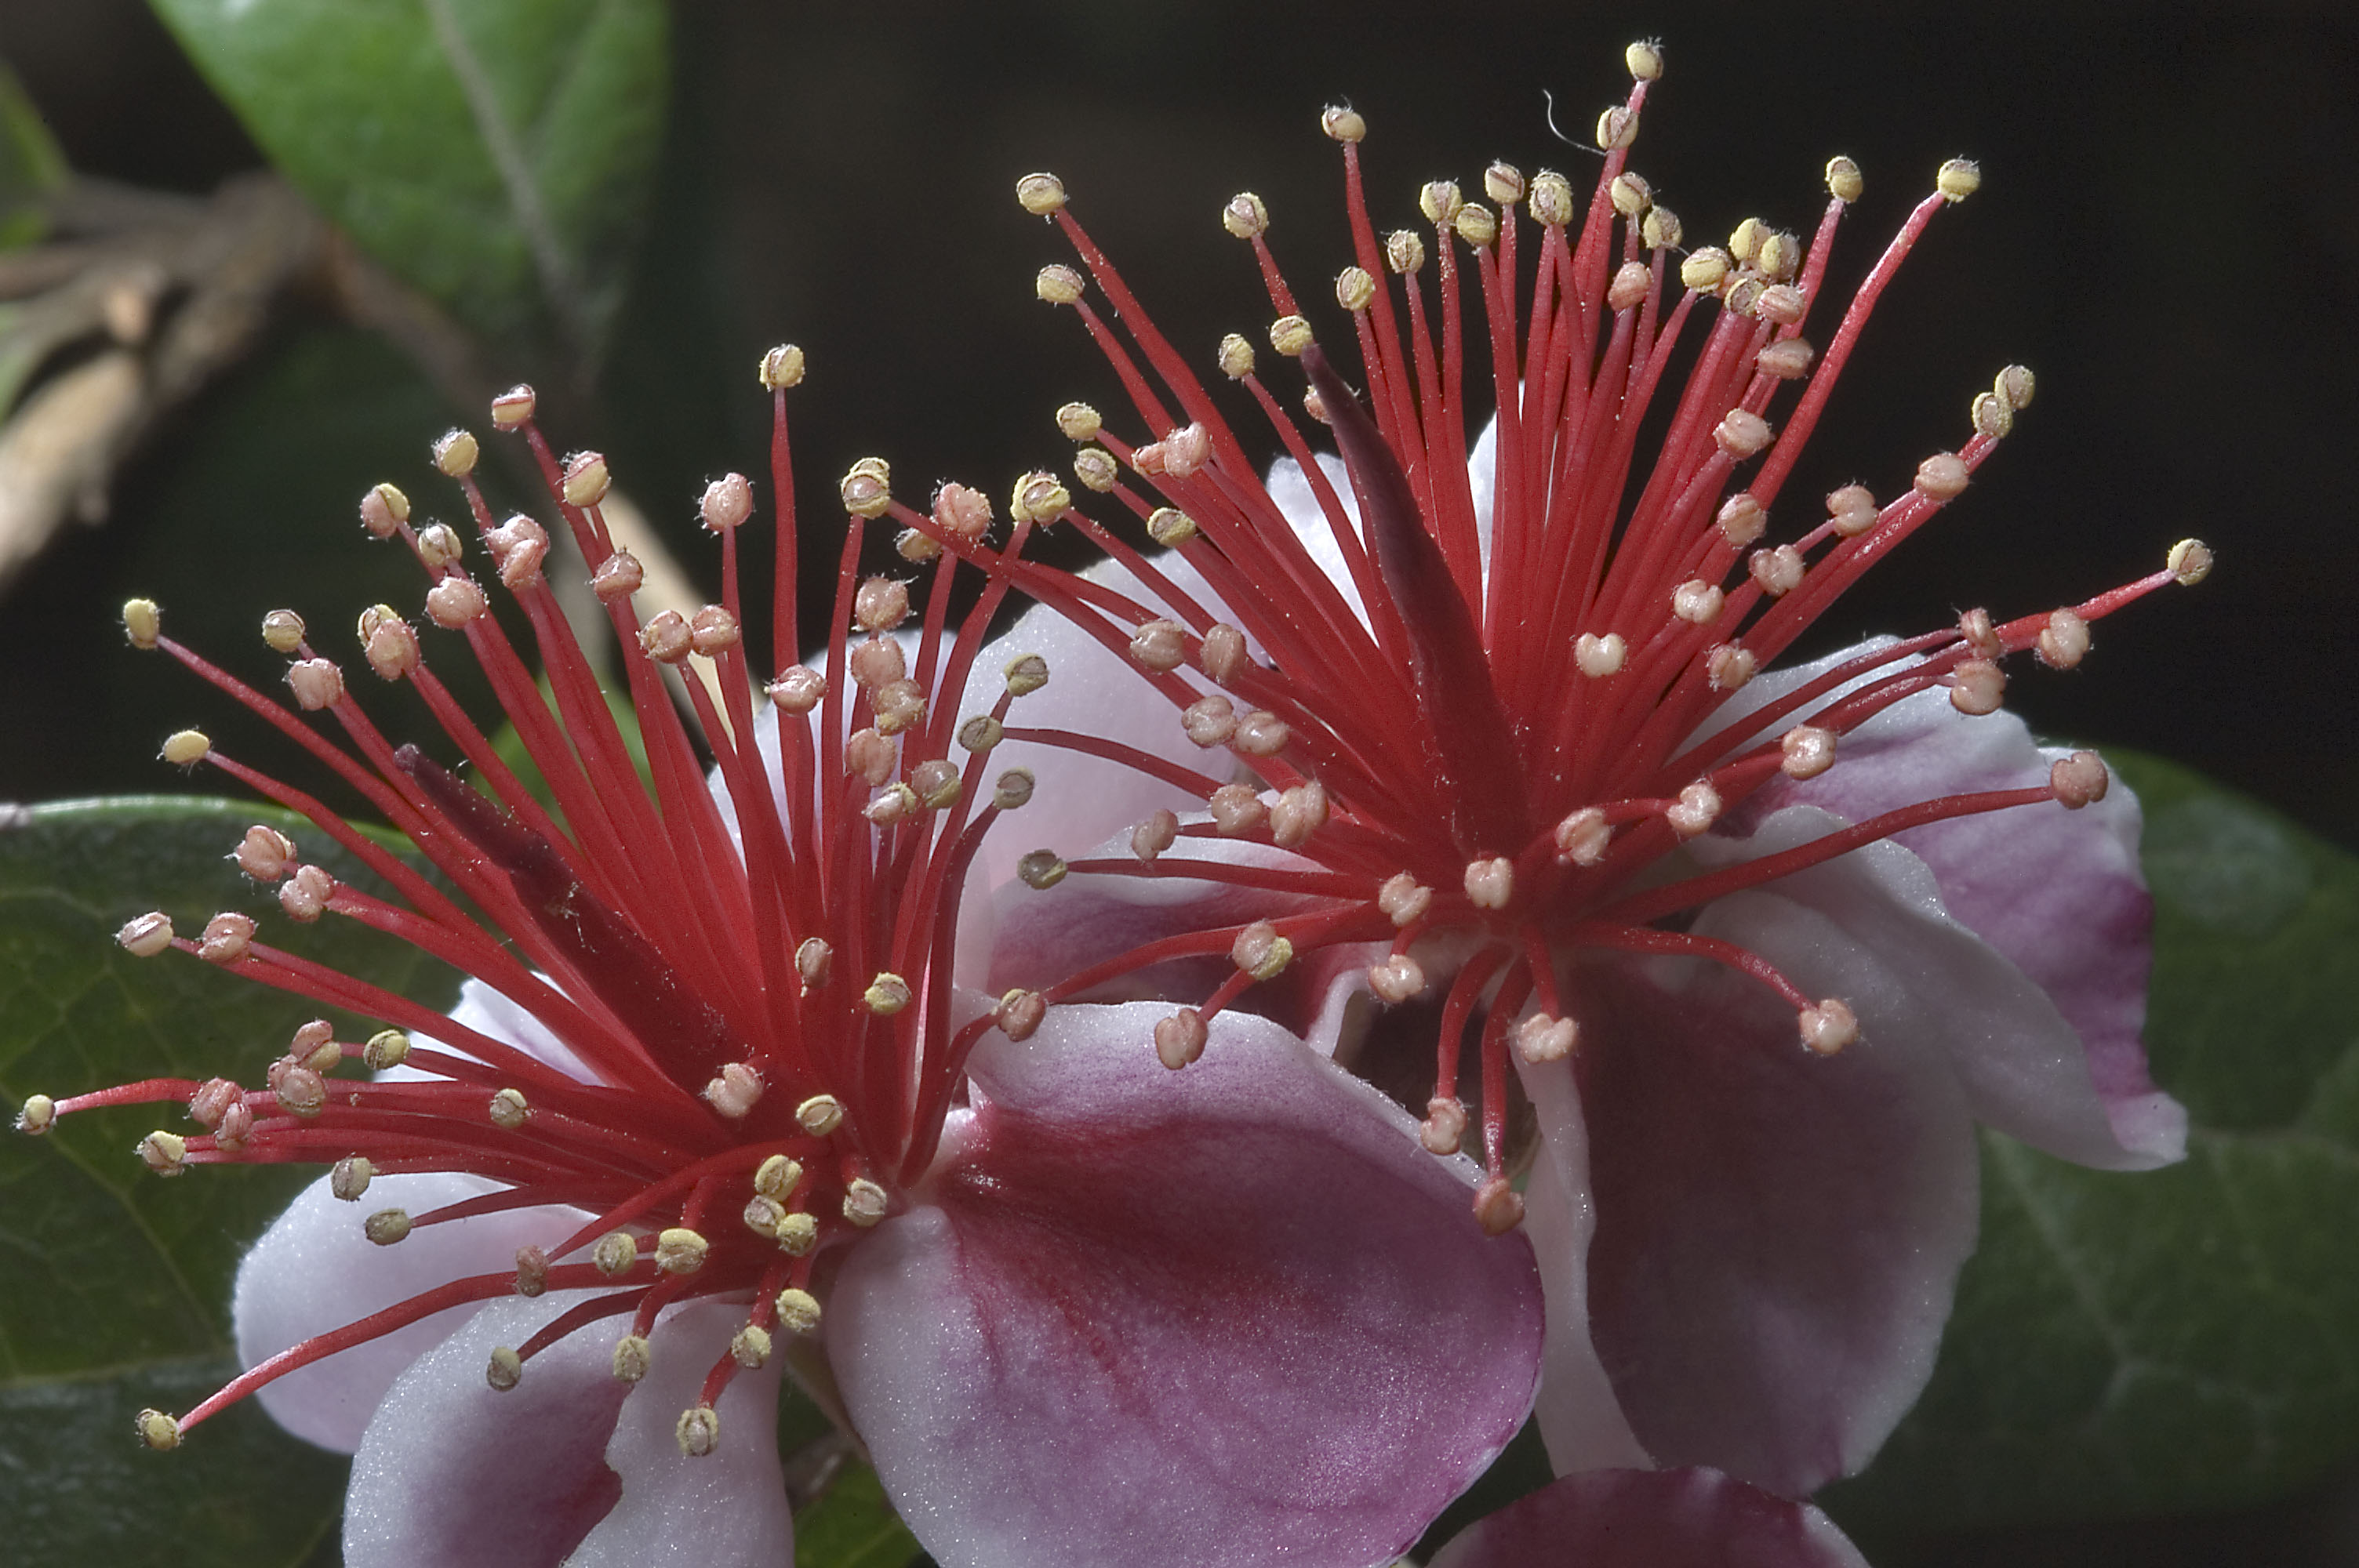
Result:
1778,1234
1652,1519
456,1476
1231,1314
729,1506
313,1271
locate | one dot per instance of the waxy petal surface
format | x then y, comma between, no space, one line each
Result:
1228,1314
1652,1519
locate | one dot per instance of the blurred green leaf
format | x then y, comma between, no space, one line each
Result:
493,154
115,1291
30,166
853,1526
2186,1338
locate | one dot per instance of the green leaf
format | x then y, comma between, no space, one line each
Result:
493,154
2186,1338
853,1526
115,1289
30,166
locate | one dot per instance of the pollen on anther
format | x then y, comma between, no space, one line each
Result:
614,1253
143,622
798,1310
506,1370
819,1115
1041,194
2190,561
865,1202
797,1234
698,1431
387,1225
634,1357
680,1251
1260,952
750,1348
158,1431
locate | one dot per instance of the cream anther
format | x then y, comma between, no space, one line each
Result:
506,1370
1246,216
1959,178
1550,202
887,994
37,1115
798,689
1354,288
1476,224
532,1272
1261,952
1012,791
1396,978
1040,870
585,480
1179,1038
777,1177
383,511
813,960
1777,570
1026,673
1628,289
1058,284
186,748
1941,477
1040,497
1582,837
1741,433
316,683
455,452
1236,810
1169,527
1704,269
1019,1012
2014,387
981,733
1156,833
733,1090
1617,128
225,938
1236,355
1541,1038
1440,200
508,1110
513,407
750,1348
1697,602
1289,335
1851,510
1697,809
1404,900
819,1115
262,853
1403,251
865,1202
387,1226
1992,418
2190,561
1741,519
1808,752
1827,1027
1599,656
1630,194
867,488
1745,239
1444,1127
2079,780
2064,641
1844,182
143,622
163,1152
1498,1207
1504,183
1041,194
1342,123
1298,813
146,936
634,1358
1491,883
1660,229
614,1254
899,704
781,368
158,1431
1644,60
438,545
1787,359
698,1431
1159,645
1223,654
1728,665
349,1177
1779,254
1977,687
798,1234
798,1310
680,1251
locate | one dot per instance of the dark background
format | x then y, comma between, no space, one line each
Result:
2164,234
